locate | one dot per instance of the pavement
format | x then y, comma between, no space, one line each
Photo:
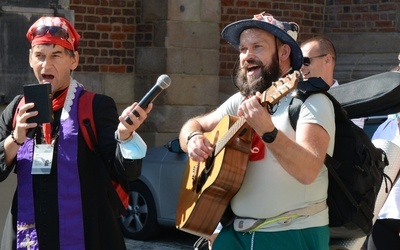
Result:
170,239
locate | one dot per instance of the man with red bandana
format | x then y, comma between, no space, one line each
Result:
281,203
69,206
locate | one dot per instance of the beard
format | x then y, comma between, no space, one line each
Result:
249,87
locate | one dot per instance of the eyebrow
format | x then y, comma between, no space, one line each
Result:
57,52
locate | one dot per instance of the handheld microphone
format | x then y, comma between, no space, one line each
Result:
162,83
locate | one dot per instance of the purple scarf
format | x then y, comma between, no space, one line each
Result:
69,196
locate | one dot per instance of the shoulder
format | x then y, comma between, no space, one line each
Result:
103,98
231,105
98,99
318,101
318,108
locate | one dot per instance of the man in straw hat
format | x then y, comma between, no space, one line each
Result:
66,206
281,203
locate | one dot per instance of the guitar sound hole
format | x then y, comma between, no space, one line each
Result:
209,164
201,181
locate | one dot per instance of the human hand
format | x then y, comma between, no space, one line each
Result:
256,115
125,129
21,126
199,147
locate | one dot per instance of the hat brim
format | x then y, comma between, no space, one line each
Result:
231,34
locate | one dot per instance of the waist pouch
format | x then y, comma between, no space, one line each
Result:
242,224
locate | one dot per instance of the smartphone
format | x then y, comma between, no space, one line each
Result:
40,95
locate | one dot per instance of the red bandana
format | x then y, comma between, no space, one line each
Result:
70,42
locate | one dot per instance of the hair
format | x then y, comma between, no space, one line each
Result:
325,45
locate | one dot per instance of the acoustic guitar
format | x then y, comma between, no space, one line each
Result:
207,187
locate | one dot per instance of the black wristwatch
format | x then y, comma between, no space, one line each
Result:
270,136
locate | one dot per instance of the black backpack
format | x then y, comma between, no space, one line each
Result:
355,168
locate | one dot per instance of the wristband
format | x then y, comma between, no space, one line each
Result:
191,135
14,140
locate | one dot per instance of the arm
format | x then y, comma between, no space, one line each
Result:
107,123
9,147
198,147
310,146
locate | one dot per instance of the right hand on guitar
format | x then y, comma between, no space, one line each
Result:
199,147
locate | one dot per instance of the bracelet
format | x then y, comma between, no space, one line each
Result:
14,140
191,135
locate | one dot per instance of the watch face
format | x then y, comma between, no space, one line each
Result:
269,136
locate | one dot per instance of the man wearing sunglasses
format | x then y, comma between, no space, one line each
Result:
68,206
319,60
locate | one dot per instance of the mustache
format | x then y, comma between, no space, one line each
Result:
251,62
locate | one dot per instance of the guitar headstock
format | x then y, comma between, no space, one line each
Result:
280,88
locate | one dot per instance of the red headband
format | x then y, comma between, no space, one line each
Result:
71,43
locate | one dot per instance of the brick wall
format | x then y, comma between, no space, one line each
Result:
131,42
308,15
112,29
109,33
365,16
317,18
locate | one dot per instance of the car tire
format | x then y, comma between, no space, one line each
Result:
141,221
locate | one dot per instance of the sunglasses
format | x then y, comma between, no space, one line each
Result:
53,30
307,60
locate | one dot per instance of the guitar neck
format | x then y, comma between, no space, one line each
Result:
229,135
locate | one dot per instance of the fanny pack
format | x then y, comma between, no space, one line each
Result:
242,224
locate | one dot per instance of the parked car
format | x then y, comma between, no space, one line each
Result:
154,196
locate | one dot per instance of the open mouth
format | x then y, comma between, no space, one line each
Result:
47,77
252,68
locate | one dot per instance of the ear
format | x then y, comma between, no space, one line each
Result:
75,60
329,59
284,52
30,58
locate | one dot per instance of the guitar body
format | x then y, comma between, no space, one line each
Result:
205,197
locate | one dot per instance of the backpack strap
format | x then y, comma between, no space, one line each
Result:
303,91
86,119
294,108
89,133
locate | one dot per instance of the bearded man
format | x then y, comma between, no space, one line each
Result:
281,203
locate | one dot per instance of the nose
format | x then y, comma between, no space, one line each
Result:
247,55
46,63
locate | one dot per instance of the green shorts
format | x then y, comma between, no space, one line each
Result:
316,238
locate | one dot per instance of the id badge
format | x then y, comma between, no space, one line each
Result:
42,158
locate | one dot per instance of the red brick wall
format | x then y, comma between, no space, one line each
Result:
112,29
314,17
308,15
108,33
365,16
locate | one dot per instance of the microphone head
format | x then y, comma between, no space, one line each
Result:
163,81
